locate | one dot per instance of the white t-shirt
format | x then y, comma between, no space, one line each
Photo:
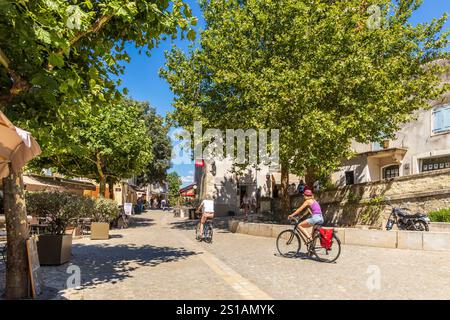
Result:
208,206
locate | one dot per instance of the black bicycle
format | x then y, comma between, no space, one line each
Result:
207,231
289,243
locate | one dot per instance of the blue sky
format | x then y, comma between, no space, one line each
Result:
144,84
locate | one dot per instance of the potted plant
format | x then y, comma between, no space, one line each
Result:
104,212
59,210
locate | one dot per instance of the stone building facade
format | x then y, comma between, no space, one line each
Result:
220,180
421,145
368,203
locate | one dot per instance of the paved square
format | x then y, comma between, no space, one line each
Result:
158,258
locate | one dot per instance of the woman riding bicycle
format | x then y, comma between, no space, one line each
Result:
316,213
207,212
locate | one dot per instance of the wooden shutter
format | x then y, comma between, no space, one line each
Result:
438,120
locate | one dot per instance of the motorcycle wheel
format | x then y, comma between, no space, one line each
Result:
421,226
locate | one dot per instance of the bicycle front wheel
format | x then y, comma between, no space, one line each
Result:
327,255
288,244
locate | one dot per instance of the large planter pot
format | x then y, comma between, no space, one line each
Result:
99,231
54,249
70,230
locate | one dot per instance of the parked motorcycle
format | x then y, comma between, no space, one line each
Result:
407,221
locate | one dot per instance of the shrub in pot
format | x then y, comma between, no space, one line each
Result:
104,212
60,210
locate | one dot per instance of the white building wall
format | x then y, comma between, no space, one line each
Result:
221,181
416,136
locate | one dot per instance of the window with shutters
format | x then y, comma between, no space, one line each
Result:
391,172
441,119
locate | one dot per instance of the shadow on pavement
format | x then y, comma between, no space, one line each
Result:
140,222
103,263
300,256
112,236
218,224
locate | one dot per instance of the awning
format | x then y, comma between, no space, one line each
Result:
188,191
42,183
16,146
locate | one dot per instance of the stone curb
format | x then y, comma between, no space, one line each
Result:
412,240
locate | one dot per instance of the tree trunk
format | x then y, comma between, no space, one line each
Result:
102,188
17,283
111,188
285,200
101,175
310,177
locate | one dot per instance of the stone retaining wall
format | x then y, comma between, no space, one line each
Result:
440,226
394,239
365,203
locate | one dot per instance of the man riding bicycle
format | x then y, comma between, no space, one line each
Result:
316,213
206,209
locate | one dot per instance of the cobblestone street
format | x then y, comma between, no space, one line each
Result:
158,258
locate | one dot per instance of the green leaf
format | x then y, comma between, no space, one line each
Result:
42,34
75,16
56,60
191,35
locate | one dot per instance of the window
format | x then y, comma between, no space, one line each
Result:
435,164
441,119
391,172
349,177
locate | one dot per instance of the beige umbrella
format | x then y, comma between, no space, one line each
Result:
16,146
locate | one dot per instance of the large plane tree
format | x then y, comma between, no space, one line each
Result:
323,72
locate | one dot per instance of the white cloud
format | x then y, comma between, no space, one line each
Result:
187,179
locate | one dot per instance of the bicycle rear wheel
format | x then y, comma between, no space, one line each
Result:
208,232
197,232
326,255
288,244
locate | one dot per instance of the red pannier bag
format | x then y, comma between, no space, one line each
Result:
326,236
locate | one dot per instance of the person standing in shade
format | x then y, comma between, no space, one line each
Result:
291,189
316,186
246,203
301,187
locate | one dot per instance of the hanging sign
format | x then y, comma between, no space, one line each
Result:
128,208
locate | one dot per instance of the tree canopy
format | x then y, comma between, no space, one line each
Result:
174,184
319,70
155,171
110,141
55,52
